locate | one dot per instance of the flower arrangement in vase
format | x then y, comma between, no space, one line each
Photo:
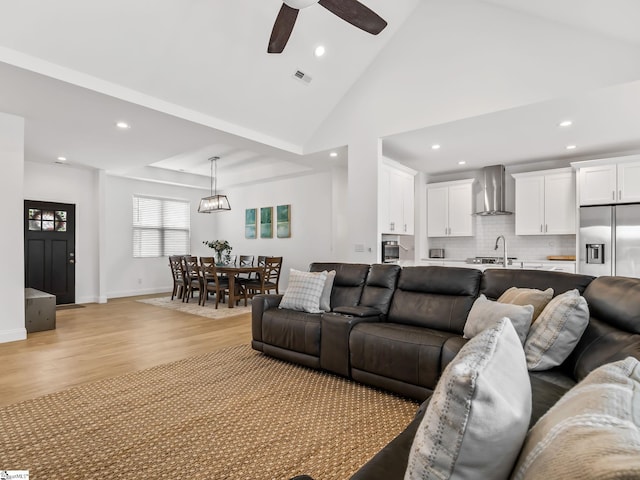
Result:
222,249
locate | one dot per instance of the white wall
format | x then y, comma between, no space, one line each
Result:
125,275
313,224
11,185
339,179
66,184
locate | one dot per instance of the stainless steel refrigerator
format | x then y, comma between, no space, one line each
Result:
610,240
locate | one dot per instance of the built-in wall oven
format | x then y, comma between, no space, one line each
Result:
390,251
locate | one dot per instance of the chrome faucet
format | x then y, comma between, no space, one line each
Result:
504,250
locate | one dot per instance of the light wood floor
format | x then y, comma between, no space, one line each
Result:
104,340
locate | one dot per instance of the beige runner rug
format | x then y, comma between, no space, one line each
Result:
230,414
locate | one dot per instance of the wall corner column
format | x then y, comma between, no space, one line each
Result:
12,320
102,236
365,155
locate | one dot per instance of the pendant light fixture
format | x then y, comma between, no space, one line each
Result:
214,202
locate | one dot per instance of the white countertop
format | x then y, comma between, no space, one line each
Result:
542,264
519,260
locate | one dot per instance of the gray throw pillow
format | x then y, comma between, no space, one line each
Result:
325,298
479,413
485,313
556,332
592,432
528,296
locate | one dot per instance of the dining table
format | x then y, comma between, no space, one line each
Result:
232,272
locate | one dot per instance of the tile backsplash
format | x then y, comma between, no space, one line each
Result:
487,229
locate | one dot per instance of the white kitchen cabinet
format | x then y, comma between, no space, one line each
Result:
450,209
545,202
609,181
629,182
396,201
437,211
408,204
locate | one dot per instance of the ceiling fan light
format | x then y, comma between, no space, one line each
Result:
299,4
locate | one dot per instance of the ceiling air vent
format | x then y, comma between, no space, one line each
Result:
303,77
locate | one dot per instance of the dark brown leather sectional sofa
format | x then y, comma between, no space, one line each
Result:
397,329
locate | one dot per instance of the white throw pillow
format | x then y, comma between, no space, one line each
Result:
304,291
479,413
325,298
484,313
557,330
592,432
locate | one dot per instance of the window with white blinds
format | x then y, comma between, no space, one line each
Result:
160,227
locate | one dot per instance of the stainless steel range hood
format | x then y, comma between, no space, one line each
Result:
493,191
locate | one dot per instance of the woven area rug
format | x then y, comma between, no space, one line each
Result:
209,310
230,414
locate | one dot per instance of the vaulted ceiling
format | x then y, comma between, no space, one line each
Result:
194,79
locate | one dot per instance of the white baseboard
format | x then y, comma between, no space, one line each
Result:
82,300
142,291
13,335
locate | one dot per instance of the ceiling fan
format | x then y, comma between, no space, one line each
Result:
351,11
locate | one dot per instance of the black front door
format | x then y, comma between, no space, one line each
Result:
49,249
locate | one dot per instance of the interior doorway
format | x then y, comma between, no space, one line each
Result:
49,249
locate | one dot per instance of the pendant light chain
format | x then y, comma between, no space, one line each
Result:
211,185
214,202
215,179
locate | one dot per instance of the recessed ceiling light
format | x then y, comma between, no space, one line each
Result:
435,147
319,51
333,154
571,147
462,162
123,125
566,123
62,159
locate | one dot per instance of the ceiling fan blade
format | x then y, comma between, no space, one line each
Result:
282,28
356,14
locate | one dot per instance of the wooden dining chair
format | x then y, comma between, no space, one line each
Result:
268,278
245,261
179,285
213,282
192,276
260,262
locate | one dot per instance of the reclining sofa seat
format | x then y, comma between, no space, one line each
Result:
427,313
296,336
373,307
